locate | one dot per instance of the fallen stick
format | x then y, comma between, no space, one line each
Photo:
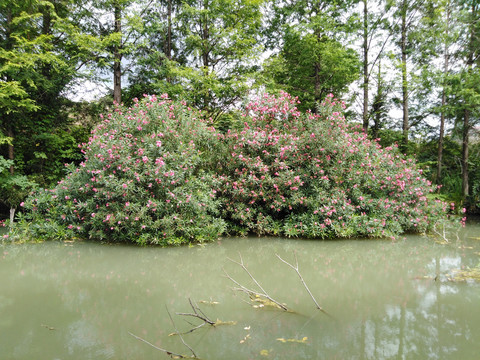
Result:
169,353
198,313
297,270
181,337
253,293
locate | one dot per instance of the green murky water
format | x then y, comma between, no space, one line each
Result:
82,300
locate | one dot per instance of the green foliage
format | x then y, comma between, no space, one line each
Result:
156,173
35,67
316,176
207,59
13,188
310,59
312,66
146,178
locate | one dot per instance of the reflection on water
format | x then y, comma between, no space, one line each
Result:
386,300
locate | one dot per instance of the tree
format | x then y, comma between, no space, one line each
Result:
379,106
311,67
407,15
470,89
27,82
372,28
221,44
155,59
311,61
446,58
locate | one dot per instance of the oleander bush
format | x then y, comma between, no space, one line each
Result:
147,177
158,173
316,176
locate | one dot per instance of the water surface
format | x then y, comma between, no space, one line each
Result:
385,300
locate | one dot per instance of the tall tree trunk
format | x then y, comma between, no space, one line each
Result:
117,56
466,113
205,54
168,50
11,156
378,104
365,66
11,151
9,127
317,84
405,123
444,101
466,128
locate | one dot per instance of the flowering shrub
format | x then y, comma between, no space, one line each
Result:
315,175
145,178
157,173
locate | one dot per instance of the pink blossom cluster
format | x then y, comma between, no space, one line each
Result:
159,173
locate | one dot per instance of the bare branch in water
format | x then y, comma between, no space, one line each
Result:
181,337
169,353
198,313
297,270
254,294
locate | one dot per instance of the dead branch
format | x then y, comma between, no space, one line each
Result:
198,313
169,353
297,270
181,337
254,295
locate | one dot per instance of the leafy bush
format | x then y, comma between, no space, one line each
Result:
314,175
145,179
156,173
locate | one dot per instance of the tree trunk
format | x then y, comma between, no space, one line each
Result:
11,151
168,50
117,55
444,101
9,129
317,84
466,128
405,123
466,113
378,104
365,66
12,216
205,55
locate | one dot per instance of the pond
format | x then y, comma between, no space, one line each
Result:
382,300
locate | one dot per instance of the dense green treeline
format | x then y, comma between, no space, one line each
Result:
408,72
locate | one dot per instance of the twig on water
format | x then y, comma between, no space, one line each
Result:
254,294
169,353
181,337
199,314
297,270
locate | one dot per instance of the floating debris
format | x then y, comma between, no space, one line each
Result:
300,341
263,302
468,274
47,327
245,339
211,302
